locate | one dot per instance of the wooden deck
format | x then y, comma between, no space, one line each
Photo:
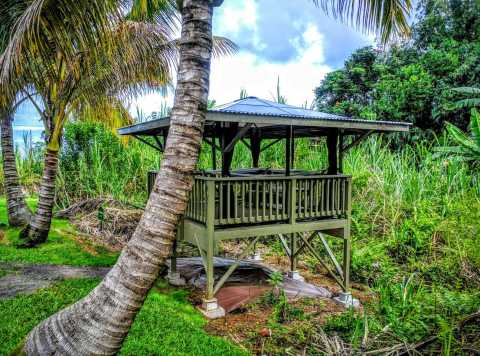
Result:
296,209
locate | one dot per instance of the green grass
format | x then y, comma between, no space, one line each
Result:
166,325
60,248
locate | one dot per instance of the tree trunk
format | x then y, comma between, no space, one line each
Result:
98,323
37,231
18,212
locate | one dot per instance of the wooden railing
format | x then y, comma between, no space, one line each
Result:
266,199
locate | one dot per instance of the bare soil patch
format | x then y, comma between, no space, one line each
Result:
27,278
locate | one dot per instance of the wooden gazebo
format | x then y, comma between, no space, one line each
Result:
296,206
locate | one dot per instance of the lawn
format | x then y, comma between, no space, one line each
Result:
166,325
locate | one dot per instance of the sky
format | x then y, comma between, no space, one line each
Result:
289,40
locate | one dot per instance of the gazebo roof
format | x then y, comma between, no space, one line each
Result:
272,118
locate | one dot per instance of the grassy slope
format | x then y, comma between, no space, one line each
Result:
166,325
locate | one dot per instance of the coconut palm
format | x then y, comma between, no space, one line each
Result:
18,212
138,56
98,323
141,59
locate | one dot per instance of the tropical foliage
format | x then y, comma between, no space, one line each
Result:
467,147
413,80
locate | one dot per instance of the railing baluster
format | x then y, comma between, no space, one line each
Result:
264,200
250,215
328,197
270,200
277,203
257,200
220,200
307,197
312,192
243,202
229,205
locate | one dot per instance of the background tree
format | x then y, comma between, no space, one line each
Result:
413,80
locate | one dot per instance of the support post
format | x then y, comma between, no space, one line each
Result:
332,140
255,147
210,236
292,149
340,152
214,153
346,258
228,134
345,298
174,277
210,307
288,154
293,273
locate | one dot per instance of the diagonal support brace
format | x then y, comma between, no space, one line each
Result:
232,267
317,256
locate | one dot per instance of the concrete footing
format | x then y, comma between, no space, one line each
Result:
295,275
211,309
347,300
175,279
257,256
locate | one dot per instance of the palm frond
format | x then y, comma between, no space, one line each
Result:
387,18
467,90
462,139
475,126
467,103
223,46
43,27
161,12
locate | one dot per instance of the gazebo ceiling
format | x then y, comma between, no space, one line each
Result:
272,120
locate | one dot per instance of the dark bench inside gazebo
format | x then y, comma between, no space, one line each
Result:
295,206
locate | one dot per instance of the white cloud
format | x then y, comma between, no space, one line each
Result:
298,77
245,70
241,14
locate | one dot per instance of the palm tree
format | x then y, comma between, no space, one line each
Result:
140,60
98,323
137,57
18,212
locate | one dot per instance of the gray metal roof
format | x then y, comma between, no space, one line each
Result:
265,113
255,106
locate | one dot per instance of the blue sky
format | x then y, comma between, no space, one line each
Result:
289,39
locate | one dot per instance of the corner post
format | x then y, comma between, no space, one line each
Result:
174,278
210,235
210,307
332,140
346,240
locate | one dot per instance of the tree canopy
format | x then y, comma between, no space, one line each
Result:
413,80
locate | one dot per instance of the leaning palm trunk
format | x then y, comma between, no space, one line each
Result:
18,211
37,231
98,323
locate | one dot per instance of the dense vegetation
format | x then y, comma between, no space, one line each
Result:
413,81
